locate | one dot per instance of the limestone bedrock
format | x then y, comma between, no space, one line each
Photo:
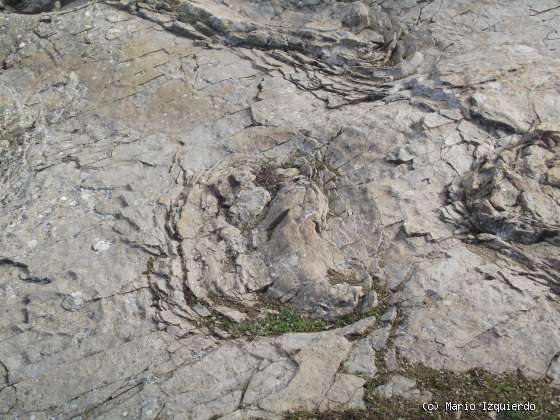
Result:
169,163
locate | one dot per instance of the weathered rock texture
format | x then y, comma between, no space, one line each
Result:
164,161
236,240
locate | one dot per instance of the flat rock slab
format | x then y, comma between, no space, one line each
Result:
161,171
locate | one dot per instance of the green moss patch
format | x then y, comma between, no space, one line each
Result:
285,321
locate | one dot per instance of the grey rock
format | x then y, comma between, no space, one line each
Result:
390,315
270,378
361,359
251,414
391,361
312,381
401,155
370,301
400,386
202,310
346,393
248,205
553,372
411,146
379,337
73,301
507,195
513,306
357,15
357,328
285,253
231,314
31,6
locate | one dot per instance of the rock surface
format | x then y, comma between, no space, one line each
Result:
165,163
399,386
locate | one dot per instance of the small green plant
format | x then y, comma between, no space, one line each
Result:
287,320
284,319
